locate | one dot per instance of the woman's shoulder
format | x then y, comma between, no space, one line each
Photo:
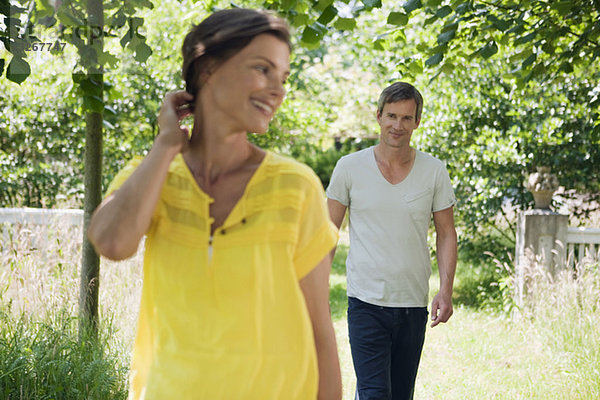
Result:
288,168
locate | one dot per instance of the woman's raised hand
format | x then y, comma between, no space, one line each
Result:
175,107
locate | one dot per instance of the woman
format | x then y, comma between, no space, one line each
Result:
235,297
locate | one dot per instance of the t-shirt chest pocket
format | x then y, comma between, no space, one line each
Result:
420,203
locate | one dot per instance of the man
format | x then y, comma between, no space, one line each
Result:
391,190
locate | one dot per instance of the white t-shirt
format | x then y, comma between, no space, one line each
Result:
388,262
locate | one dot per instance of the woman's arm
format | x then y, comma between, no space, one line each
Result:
122,219
315,287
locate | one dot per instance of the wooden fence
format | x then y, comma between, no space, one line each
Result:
582,244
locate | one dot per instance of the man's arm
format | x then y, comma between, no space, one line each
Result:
337,211
446,242
315,287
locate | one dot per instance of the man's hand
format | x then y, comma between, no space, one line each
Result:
441,308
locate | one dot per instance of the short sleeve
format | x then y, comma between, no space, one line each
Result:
443,196
123,174
120,179
339,186
317,234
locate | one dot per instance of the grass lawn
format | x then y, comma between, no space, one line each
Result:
477,356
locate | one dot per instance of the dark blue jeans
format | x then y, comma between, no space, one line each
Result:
386,344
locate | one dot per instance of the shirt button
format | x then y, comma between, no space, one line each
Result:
223,232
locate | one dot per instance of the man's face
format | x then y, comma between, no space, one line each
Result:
397,122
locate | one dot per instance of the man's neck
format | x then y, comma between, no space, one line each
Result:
394,157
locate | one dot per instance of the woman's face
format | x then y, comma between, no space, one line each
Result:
244,92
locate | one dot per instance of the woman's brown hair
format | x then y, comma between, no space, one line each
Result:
221,35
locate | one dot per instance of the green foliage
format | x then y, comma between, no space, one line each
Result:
44,360
545,39
323,161
483,286
502,132
41,145
41,130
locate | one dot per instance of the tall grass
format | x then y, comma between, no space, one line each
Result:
43,359
40,355
564,311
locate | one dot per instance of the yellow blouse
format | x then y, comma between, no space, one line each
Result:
224,317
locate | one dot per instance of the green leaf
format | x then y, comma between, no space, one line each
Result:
526,39
286,5
447,68
566,67
430,20
548,48
529,60
462,8
18,70
126,38
446,37
563,7
312,33
433,3
135,23
119,19
416,67
441,48
370,4
488,50
322,4
78,77
380,42
93,103
434,59
345,24
300,20
517,29
444,11
522,55
397,18
142,52
498,23
1,66
412,5
108,59
327,15
43,9
68,19
399,36
90,87
450,27
141,3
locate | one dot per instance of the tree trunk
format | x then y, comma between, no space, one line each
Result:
90,263
90,266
